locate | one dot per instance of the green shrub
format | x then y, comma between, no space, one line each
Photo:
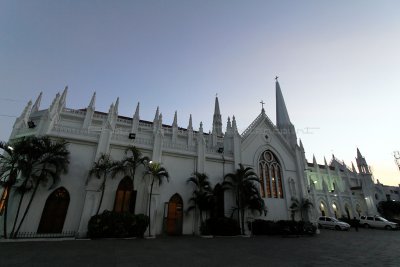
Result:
220,226
113,224
282,227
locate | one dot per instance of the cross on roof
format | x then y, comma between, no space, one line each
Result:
276,78
262,104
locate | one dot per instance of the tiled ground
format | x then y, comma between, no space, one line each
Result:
331,248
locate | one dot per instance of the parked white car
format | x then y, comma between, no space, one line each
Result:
377,222
332,223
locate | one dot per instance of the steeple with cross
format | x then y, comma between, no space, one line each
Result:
262,106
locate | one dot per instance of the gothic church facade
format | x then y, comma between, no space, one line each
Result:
271,149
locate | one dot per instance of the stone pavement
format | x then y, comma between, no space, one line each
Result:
368,247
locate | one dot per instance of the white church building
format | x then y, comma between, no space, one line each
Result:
271,149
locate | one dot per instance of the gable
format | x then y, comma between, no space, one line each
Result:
262,135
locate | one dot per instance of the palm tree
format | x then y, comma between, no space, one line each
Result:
302,206
53,160
128,165
8,175
156,173
28,150
101,169
202,196
242,182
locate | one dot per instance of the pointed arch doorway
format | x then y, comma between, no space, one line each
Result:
175,215
54,212
125,197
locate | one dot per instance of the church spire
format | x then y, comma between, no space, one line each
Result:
217,121
282,115
359,154
36,106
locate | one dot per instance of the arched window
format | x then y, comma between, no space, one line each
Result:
335,210
125,197
54,212
347,210
270,175
322,209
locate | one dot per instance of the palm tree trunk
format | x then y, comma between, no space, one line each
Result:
238,203
201,217
18,209
151,192
103,186
27,207
7,190
242,213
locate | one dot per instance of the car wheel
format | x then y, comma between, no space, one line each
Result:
337,227
387,227
366,225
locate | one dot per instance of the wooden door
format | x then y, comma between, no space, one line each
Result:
175,215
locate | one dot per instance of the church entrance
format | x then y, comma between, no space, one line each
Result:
54,212
125,197
175,215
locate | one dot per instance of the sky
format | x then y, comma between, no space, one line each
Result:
338,64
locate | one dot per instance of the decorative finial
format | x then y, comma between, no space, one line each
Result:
216,95
276,78
262,105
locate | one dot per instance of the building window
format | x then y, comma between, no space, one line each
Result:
270,175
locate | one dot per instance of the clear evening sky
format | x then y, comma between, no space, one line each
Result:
338,63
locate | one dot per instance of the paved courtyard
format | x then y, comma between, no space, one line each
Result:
367,247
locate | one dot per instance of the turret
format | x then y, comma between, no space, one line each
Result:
362,163
175,127
136,119
190,131
63,99
155,121
228,137
89,112
217,121
36,106
22,120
